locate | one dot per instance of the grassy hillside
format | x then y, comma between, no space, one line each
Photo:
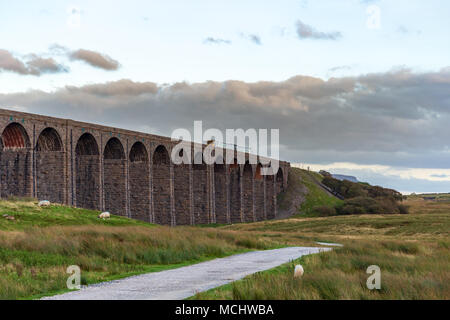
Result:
412,251
27,214
40,243
303,185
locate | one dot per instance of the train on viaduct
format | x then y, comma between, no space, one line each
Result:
128,173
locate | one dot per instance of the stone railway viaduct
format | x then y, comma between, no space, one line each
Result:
128,173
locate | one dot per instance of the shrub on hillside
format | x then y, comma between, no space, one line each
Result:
349,189
367,205
380,192
345,188
403,209
325,211
359,205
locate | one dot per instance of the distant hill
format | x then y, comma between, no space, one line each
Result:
344,177
439,197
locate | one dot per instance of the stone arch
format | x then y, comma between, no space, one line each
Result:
114,173
161,186
15,159
182,192
114,149
87,145
220,192
15,137
200,185
139,182
280,181
235,191
50,166
247,193
87,172
270,194
138,152
259,194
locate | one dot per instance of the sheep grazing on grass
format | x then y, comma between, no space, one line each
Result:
298,272
104,215
44,203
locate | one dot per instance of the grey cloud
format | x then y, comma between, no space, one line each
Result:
9,63
124,87
46,65
395,118
33,65
338,68
256,39
57,49
440,175
305,31
95,59
211,40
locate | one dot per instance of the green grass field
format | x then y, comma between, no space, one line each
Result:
37,247
412,250
28,215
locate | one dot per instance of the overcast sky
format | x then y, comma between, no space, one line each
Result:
355,86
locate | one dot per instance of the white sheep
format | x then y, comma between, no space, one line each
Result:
298,272
104,215
44,203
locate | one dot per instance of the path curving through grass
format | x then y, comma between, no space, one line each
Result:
184,282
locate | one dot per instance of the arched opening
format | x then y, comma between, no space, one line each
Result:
87,168
15,159
247,193
182,192
50,166
161,186
235,192
270,194
114,173
139,182
280,184
220,192
259,194
201,208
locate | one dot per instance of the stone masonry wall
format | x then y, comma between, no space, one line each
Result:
235,194
201,212
139,191
220,193
15,173
87,169
127,173
114,186
50,176
182,194
247,191
259,198
161,187
270,193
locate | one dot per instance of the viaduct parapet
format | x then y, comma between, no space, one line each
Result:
128,173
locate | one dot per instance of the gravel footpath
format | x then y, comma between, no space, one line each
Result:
184,282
